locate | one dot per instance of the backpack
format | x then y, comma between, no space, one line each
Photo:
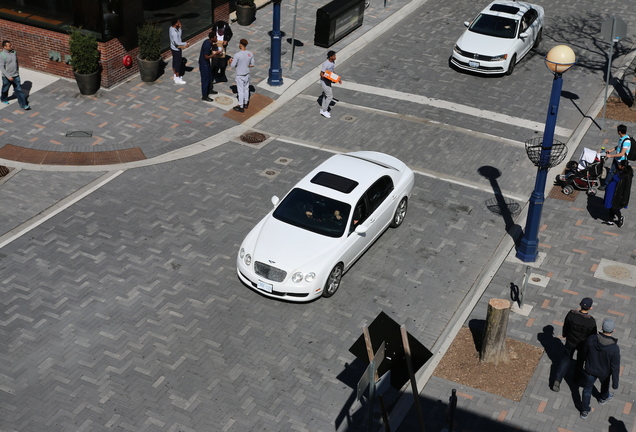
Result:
631,155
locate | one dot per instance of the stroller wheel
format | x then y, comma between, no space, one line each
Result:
591,192
568,190
560,178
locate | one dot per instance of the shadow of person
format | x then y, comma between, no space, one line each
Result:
26,87
595,207
553,348
616,425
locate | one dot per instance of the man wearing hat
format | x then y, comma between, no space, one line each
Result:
602,361
577,327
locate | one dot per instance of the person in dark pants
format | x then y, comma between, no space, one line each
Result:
10,72
602,361
617,193
208,51
577,327
223,34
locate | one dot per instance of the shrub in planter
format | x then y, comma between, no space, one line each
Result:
149,38
85,61
84,53
149,59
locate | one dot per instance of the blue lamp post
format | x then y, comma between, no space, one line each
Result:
559,59
275,77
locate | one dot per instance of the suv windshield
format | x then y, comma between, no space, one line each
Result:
314,213
496,26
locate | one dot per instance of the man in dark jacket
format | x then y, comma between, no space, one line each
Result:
617,193
602,361
578,326
223,34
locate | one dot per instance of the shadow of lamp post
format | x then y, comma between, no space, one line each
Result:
275,77
545,153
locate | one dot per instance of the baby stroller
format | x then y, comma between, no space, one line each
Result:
584,174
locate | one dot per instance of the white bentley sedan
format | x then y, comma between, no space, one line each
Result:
301,249
501,35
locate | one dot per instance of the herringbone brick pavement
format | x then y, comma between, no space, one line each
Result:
125,311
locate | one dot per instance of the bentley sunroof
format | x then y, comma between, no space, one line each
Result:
335,182
512,10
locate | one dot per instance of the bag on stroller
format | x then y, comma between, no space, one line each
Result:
584,174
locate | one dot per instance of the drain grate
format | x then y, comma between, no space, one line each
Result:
253,137
80,134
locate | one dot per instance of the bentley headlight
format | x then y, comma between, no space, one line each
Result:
310,277
297,277
248,259
242,253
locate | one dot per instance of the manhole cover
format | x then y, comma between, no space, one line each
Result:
253,137
224,100
348,118
79,134
616,272
536,279
283,161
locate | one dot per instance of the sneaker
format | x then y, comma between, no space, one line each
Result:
179,80
239,109
247,105
619,223
556,386
325,114
207,99
608,223
607,399
5,102
584,414
26,108
213,92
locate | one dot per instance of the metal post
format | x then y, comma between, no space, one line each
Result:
452,405
529,245
291,64
275,77
524,286
610,55
371,394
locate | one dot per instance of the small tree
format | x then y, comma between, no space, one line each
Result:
84,53
149,38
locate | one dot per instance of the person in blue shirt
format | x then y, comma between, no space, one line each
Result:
209,50
619,153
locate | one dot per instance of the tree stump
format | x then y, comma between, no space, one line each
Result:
493,345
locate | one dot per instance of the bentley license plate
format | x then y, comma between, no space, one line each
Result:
265,286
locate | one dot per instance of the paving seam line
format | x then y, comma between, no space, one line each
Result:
56,208
506,245
423,120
